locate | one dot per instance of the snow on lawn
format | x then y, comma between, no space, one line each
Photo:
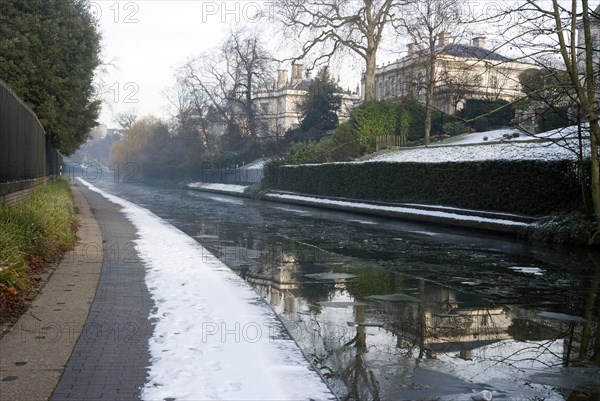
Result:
219,187
257,164
498,151
214,337
557,144
477,137
499,135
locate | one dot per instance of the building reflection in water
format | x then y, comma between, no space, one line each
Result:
367,331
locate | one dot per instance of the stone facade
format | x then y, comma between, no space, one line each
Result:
595,32
462,72
278,108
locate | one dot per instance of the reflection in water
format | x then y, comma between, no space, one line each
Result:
389,310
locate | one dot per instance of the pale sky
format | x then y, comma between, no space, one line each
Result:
146,40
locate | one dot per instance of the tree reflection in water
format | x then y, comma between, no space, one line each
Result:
344,325
435,314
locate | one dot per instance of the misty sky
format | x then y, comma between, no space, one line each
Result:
144,41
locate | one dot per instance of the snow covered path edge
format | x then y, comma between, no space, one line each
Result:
505,223
444,216
214,336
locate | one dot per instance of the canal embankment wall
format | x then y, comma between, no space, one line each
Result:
500,223
528,187
501,196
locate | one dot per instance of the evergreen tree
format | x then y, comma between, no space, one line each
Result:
49,50
319,108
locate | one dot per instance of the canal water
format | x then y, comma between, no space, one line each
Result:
388,310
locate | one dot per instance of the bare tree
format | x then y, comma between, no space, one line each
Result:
126,119
551,29
251,70
353,25
191,114
429,23
223,84
456,83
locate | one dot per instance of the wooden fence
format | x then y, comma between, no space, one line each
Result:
389,141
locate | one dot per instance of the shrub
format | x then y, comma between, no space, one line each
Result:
372,119
569,228
455,128
553,119
411,120
306,153
35,231
501,114
345,144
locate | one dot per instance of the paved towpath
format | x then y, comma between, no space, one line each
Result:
110,359
51,353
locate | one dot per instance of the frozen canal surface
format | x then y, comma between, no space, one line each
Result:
397,311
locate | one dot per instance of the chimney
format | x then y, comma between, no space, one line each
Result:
479,41
282,78
413,48
296,73
444,38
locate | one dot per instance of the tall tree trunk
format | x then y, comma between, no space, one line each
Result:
422,319
594,135
589,310
371,60
428,112
429,92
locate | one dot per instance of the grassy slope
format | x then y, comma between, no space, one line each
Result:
33,234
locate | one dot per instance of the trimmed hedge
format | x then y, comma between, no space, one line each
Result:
531,187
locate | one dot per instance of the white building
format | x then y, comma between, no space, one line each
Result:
278,108
462,72
595,33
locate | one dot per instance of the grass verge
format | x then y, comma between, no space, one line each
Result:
33,234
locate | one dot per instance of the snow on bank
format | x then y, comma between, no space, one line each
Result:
508,135
559,144
214,337
257,164
498,151
395,209
238,189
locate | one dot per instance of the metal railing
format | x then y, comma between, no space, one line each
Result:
27,156
26,153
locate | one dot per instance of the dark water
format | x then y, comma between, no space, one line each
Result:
392,310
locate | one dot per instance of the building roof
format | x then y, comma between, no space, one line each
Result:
302,85
467,51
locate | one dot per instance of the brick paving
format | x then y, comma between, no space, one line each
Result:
110,358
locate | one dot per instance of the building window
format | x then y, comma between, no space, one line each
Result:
393,83
494,82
